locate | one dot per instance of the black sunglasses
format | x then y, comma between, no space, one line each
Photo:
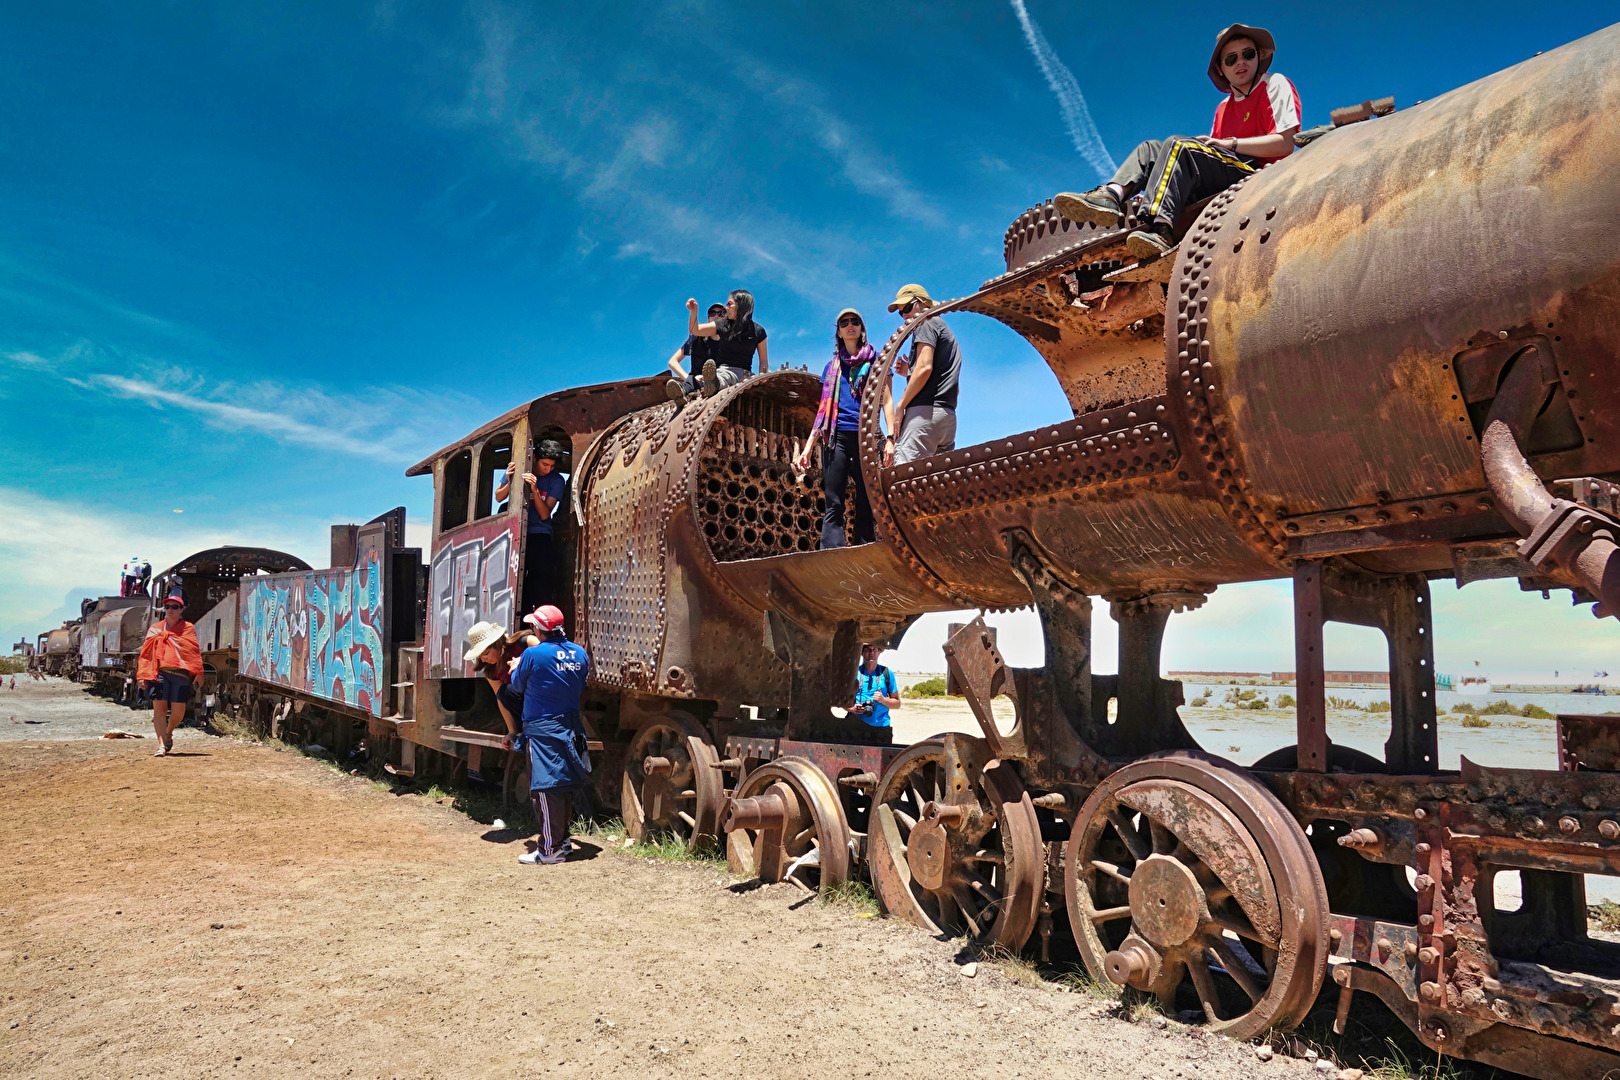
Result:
849,320
906,309
1231,58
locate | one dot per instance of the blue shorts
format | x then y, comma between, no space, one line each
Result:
172,688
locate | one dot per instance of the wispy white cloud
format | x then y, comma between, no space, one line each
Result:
640,174
866,167
276,423
389,424
50,548
1071,102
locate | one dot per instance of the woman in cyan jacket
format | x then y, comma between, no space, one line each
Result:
169,669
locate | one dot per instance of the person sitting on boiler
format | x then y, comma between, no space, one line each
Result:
1254,126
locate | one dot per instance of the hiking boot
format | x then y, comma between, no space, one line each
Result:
1098,206
711,385
676,392
1151,241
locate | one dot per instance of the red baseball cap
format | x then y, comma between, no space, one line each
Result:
545,617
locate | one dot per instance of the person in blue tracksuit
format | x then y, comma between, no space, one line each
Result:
551,677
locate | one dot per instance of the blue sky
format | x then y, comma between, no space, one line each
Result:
256,259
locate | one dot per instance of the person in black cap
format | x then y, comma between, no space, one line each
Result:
701,352
1253,127
733,339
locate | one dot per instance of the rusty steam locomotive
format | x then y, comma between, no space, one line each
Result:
1388,359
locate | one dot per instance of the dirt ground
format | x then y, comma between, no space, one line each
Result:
239,910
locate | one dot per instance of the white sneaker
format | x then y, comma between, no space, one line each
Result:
531,858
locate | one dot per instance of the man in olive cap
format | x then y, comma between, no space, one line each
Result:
1253,127
927,408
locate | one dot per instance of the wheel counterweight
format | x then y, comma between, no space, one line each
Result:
955,844
1187,878
670,783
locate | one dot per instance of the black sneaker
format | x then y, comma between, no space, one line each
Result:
1150,241
711,385
676,392
1097,206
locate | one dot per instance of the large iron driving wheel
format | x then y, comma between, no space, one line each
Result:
955,846
786,823
670,783
1188,879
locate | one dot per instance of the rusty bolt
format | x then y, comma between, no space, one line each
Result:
1271,213
1411,949
1569,824
1423,883
657,766
1362,840
1448,508
1428,955
1502,334
1385,945
1422,849
1430,991
1425,920
1336,934
1609,829
1420,813
1492,986
1535,825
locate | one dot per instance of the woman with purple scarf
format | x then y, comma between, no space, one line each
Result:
836,427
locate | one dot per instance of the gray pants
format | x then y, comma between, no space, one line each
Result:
925,430
724,379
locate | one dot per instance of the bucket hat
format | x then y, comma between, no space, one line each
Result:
1264,44
480,637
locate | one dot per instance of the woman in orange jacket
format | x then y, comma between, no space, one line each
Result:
170,665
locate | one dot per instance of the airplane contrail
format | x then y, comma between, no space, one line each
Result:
1071,101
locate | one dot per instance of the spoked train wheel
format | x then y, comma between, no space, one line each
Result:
1188,879
786,823
670,784
955,846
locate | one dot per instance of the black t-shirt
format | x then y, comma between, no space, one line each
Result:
736,350
940,389
699,349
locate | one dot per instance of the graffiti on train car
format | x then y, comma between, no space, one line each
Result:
318,633
475,576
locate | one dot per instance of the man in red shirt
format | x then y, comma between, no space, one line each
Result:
1253,127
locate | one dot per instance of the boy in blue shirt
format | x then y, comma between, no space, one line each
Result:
875,689
544,490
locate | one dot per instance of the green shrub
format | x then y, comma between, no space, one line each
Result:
1475,720
927,688
1466,707
1341,703
1536,712
1286,701
1378,706
1606,915
1501,708
1256,703
1200,701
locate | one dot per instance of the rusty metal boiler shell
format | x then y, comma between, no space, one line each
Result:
1326,298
